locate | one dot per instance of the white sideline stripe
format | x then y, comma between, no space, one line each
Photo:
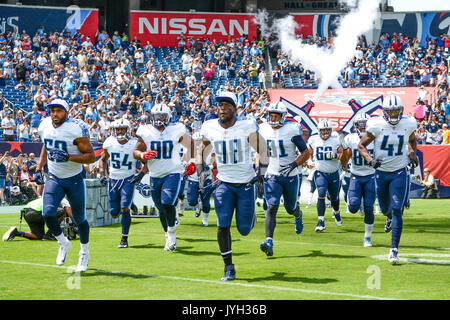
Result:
328,293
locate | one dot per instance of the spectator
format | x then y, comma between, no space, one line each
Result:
3,172
8,126
35,118
35,136
429,190
276,78
25,130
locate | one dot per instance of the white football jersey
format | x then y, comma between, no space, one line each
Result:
359,166
167,144
391,142
282,150
121,161
232,149
63,138
324,163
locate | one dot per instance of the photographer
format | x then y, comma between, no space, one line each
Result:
32,213
429,185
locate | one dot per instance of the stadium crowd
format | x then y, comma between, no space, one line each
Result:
114,77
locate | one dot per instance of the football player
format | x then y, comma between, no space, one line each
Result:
362,179
159,143
118,149
395,147
231,140
283,139
325,148
66,148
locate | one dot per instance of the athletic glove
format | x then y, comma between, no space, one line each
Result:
58,155
203,174
413,163
190,169
375,163
286,170
150,155
330,155
258,178
104,180
38,177
137,178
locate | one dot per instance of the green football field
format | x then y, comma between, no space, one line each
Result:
318,266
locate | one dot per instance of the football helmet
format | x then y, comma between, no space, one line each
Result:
392,109
325,129
122,124
360,123
161,116
276,107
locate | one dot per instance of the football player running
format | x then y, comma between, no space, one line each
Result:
325,148
119,148
159,143
362,178
231,140
66,148
282,176
395,148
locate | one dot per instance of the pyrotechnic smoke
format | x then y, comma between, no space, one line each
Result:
326,63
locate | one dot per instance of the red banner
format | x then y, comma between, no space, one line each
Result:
333,104
163,28
437,159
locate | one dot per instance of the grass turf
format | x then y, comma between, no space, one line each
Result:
328,265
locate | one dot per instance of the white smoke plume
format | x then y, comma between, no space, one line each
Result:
326,63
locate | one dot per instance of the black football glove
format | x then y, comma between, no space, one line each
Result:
375,163
259,178
104,180
58,155
286,170
137,178
413,163
38,177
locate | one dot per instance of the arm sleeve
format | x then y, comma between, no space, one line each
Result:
299,143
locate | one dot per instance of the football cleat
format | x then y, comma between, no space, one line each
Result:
198,211
320,226
205,219
62,252
299,223
171,243
267,247
367,242
230,273
388,225
337,219
10,234
308,205
393,256
83,261
123,243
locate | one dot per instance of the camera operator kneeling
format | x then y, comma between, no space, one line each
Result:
32,213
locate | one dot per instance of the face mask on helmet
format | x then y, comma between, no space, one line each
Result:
275,119
360,126
122,132
325,133
393,115
160,120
